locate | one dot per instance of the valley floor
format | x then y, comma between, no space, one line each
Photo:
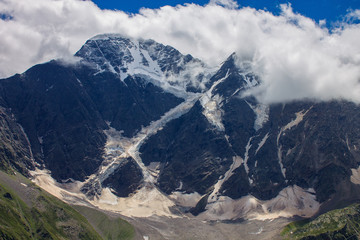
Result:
190,228
163,228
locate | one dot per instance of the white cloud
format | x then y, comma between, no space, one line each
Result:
225,3
296,57
352,16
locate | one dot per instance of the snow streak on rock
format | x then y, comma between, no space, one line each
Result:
246,155
279,153
214,196
212,105
299,117
262,114
263,141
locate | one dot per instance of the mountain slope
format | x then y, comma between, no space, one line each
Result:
273,149
64,110
108,227
336,224
40,216
15,152
134,123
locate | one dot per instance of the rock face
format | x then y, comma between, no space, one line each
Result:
192,154
131,113
64,110
307,144
125,179
15,151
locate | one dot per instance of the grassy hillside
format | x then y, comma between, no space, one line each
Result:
337,224
28,212
48,218
109,228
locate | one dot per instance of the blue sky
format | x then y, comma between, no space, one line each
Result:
331,10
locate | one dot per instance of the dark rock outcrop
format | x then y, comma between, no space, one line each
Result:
125,179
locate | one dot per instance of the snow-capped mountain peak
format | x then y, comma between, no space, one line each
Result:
160,64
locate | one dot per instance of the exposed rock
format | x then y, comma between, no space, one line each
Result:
125,179
206,136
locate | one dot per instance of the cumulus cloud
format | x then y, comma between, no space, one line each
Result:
225,3
295,57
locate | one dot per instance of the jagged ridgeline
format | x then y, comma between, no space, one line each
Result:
135,124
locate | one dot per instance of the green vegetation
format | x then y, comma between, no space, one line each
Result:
337,224
109,228
47,218
28,212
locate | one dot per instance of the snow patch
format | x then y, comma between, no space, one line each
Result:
249,78
246,155
159,64
212,105
261,144
262,115
80,83
283,170
180,186
212,110
107,63
49,88
137,66
106,36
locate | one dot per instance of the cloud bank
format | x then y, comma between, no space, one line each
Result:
295,57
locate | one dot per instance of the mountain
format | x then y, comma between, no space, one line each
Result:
133,124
